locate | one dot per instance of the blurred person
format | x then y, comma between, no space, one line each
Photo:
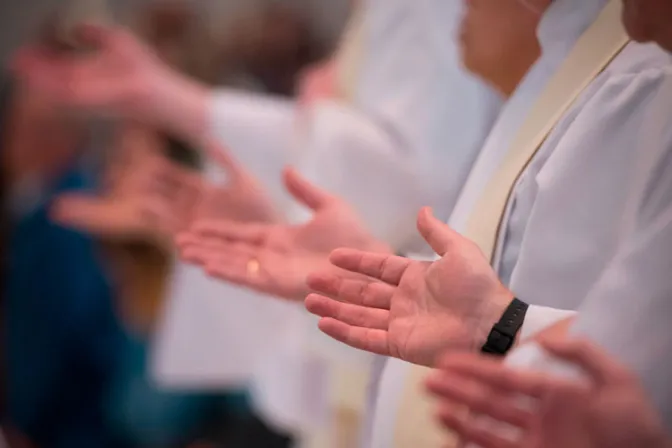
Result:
144,204
609,408
62,338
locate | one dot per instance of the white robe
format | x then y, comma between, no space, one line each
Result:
569,208
627,313
414,114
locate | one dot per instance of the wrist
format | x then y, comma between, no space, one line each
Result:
491,313
182,106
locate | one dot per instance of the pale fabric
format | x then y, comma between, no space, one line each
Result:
201,343
568,210
538,318
598,46
628,311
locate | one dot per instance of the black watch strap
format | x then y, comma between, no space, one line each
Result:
503,334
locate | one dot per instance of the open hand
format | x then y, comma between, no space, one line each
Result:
410,309
122,77
276,258
149,200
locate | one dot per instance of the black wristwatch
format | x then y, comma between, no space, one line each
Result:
503,333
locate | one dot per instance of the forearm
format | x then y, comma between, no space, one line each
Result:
182,107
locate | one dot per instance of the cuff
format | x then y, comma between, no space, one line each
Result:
539,318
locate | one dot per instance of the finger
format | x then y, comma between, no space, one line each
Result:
388,268
99,35
594,360
347,313
235,276
231,230
468,429
437,234
223,158
42,71
358,292
303,191
86,213
497,376
201,252
181,177
373,341
194,255
186,239
479,399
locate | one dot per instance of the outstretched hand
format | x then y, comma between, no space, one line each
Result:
610,409
276,258
149,201
153,198
410,309
122,77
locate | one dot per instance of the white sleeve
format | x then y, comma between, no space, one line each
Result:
628,311
258,130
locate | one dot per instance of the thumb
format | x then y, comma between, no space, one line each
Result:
437,234
224,160
98,35
85,213
303,191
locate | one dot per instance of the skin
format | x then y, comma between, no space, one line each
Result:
284,254
41,139
607,409
649,21
410,309
498,40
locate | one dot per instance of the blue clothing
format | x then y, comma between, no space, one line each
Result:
75,378
63,338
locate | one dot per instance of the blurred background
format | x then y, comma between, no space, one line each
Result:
75,335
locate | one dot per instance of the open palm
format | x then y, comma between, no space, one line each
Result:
410,309
276,258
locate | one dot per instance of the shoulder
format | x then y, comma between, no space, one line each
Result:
635,85
638,60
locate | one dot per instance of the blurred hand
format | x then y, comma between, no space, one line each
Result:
418,309
609,410
240,199
121,77
276,258
149,201
317,82
152,198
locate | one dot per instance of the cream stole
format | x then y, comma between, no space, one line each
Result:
416,425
